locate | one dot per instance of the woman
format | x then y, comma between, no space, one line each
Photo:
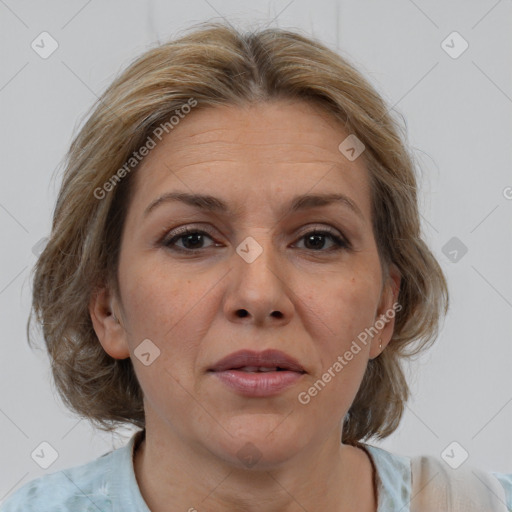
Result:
236,268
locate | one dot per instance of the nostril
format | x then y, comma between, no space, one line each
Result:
242,313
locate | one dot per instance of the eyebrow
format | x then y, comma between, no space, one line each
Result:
210,203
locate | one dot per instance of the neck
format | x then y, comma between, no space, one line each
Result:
338,477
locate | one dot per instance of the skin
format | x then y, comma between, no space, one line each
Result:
256,159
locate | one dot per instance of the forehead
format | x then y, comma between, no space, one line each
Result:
261,152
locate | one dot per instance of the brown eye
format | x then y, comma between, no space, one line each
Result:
192,239
316,240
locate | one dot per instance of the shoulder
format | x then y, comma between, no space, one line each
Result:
429,483
462,487
393,478
81,488
505,480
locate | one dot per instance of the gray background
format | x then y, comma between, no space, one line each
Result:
459,118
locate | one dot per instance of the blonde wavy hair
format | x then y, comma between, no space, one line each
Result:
216,64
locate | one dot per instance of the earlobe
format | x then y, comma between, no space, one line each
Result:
107,327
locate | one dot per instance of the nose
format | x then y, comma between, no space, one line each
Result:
259,291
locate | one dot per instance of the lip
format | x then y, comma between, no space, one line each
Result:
258,384
268,358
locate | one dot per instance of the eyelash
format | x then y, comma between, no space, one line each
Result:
340,243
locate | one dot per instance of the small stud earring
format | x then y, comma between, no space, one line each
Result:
380,343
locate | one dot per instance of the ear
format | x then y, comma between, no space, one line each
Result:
110,332
386,313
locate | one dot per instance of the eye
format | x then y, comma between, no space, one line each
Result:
315,240
192,239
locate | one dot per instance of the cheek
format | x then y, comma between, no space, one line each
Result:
168,308
344,309
346,305
156,297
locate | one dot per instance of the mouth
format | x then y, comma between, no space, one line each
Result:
267,361
256,374
255,369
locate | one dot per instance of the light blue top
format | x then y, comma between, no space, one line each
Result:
108,484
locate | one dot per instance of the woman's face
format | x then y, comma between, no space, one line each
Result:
253,277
